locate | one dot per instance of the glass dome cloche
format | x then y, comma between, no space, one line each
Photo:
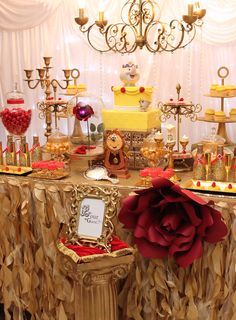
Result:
16,117
86,118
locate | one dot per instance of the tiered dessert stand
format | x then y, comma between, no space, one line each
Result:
223,73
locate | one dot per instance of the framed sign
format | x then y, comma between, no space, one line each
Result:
92,211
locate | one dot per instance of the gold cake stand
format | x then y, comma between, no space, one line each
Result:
223,73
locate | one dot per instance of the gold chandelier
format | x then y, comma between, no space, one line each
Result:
140,27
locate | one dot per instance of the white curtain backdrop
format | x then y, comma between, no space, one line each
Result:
31,29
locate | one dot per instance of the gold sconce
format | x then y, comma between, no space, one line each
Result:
141,27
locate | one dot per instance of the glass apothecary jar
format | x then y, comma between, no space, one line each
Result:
16,117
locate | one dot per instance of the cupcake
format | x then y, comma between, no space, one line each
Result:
221,91
209,114
219,116
213,88
232,114
214,187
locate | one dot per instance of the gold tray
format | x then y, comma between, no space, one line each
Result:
7,169
57,176
205,187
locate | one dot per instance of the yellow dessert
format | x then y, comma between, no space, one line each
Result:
222,90
209,114
219,116
232,114
73,89
130,96
199,186
230,188
213,187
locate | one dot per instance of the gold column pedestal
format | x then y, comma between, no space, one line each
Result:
95,285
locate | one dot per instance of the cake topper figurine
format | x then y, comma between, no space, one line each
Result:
144,104
115,160
129,74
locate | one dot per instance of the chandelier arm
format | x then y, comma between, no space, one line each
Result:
148,15
102,31
116,38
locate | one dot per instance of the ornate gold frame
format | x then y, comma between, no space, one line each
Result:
111,197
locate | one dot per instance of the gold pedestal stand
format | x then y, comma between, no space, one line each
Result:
95,285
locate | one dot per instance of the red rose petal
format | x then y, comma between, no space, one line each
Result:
157,237
185,259
171,220
191,213
218,230
149,250
207,220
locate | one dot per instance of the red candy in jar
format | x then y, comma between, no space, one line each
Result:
15,117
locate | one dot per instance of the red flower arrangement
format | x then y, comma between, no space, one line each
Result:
167,220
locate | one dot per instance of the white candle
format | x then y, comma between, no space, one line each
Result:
185,138
190,9
159,135
101,16
81,13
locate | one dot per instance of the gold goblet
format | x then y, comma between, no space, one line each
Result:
184,144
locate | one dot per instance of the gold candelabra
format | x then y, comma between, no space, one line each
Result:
46,83
141,27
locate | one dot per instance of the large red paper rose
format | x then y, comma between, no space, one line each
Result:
167,220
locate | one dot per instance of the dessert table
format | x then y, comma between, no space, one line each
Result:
32,213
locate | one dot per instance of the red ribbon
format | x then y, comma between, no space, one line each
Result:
34,147
218,157
6,149
201,159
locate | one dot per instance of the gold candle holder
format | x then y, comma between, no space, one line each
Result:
184,145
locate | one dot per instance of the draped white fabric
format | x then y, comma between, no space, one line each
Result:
25,14
31,29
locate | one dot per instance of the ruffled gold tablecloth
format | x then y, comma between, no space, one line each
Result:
31,214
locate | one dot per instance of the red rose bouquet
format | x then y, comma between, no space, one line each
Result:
167,220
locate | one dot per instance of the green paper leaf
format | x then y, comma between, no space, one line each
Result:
100,128
92,127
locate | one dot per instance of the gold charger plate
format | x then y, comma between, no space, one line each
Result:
14,170
205,187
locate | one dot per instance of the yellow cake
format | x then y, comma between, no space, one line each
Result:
232,114
219,116
131,120
73,89
127,114
209,114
